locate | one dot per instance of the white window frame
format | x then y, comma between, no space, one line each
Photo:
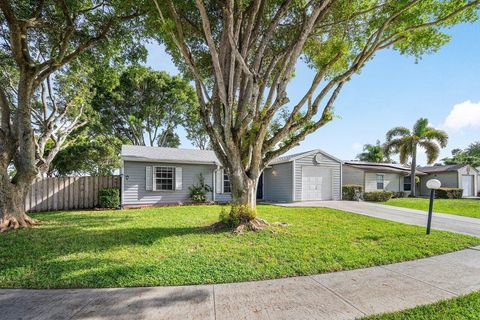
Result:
382,182
155,178
225,174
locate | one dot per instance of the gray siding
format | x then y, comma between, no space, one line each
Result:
134,191
448,180
353,176
278,187
391,182
325,162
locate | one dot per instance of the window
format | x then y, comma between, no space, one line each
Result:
226,182
164,178
407,183
380,180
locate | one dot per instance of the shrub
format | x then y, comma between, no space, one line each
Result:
449,193
351,191
237,215
198,192
378,196
109,198
399,194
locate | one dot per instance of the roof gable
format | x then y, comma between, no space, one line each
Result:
300,155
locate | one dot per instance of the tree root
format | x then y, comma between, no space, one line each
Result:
14,223
255,225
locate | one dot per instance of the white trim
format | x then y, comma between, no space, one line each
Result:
293,180
140,159
306,154
154,179
122,175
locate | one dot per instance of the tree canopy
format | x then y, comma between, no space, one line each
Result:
241,56
470,155
373,153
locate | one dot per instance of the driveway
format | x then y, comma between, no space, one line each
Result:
440,221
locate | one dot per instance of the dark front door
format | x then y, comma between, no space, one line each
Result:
260,187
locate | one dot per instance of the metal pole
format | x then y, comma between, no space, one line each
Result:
430,209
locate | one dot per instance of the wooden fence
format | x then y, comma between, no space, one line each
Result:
66,193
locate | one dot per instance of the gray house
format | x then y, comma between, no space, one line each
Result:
378,176
156,176
451,176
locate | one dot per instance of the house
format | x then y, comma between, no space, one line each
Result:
156,176
478,182
377,176
461,176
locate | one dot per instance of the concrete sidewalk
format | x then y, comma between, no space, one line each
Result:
341,295
440,221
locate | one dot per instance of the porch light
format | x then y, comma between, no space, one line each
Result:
432,184
274,172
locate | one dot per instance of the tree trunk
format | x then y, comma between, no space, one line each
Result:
12,206
244,189
13,191
412,171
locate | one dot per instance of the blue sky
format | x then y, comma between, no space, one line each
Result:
393,90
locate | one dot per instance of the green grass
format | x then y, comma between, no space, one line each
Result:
171,246
463,308
461,207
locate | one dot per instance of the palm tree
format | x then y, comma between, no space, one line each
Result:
405,142
373,153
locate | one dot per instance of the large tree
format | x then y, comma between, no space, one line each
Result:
145,107
470,155
406,142
39,39
241,56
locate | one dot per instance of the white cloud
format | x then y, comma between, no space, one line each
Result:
462,115
357,146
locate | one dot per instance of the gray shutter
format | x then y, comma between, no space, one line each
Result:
148,178
219,181
178,178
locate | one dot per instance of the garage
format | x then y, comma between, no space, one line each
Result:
307,176
316,183
467,185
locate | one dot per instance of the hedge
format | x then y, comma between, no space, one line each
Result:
348,191
378,196
109,198
449,193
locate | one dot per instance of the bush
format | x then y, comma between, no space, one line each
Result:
109,198
237,215
399,194
351,191
378,196
449,193
198,192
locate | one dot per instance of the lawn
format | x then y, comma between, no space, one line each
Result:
461,207
172,246
463,308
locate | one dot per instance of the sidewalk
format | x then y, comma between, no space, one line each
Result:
340,295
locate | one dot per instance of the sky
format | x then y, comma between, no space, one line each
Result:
392,90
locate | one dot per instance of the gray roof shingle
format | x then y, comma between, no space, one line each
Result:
143,153
447,168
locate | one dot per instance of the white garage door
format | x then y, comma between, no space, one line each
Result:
467,186
316,183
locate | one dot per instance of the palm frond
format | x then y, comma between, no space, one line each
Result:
440,136
404,153
431,149
420,127
397,132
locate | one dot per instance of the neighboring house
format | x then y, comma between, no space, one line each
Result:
478,182
156,176
451,176
377,176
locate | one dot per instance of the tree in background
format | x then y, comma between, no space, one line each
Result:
38,41
470,155
241,56
145,107
406,142
373,153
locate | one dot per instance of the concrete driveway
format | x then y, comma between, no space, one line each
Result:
441,221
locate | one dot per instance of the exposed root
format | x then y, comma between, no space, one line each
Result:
14,223
255,225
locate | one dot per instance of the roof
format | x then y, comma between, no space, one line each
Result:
299,155
143,153
382,167
447,168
